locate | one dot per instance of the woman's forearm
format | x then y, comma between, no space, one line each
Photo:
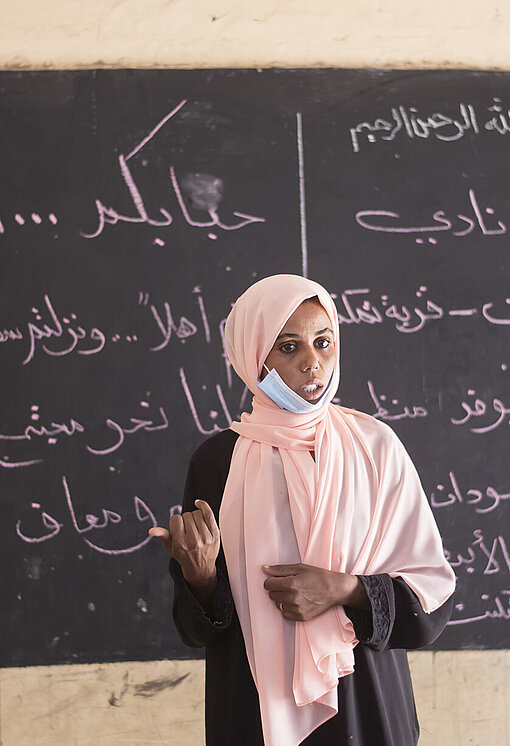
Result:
203,589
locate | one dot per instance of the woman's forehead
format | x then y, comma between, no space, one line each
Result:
309,313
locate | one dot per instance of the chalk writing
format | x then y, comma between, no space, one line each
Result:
388,221
405,121
499,608
355,307
227,401
479,408
167,325
485,501
493,555
205,192
69,428
61,335
61,329
385,406
92,522
213,414
122,431
35,218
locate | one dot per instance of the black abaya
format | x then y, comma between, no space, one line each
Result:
375,703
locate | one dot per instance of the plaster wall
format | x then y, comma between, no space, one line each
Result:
462,700
266,33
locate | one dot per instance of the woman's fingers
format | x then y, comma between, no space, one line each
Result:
279,584
191,529
278,597
160,532
281,577
193,539
195,532
302,591
163,535
201,524
280,571
208,517
176,527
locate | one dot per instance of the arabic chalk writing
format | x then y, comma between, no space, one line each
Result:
357,306
56,429
405,121
485,557
499,608
60,335
61,329
185,329
406,321
205,192
388,221
66,336
120,432
48,522
479,408
213,414
385,405
485,501
91,522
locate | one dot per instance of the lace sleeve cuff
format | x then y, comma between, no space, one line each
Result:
373,628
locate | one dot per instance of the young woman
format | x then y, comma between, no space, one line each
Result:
306,559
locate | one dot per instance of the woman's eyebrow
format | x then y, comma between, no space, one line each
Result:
287,334
297,336
323,331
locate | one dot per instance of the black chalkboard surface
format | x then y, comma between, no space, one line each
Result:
135,207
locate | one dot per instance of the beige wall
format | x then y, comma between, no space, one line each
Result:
462,697
237,33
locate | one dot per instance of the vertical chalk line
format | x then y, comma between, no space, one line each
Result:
302,203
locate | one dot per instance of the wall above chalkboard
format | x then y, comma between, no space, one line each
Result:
135,206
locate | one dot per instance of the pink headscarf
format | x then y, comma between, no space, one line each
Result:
358,508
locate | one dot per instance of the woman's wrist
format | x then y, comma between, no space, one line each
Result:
352,592
203,587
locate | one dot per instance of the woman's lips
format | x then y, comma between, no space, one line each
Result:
311,390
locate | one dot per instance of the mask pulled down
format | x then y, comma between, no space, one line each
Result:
275,387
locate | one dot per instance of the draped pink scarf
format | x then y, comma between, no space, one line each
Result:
358,508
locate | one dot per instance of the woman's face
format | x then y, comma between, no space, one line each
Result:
304,353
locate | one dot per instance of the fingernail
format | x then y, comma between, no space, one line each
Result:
196,502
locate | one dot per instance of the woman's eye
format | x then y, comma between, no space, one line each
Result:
323,343
288,347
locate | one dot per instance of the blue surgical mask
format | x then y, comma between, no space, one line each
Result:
275,387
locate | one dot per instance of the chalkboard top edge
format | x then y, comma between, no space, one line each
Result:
376,69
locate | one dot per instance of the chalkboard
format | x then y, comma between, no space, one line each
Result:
135,207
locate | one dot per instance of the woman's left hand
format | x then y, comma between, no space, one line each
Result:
302,592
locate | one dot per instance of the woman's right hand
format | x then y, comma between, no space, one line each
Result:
193,539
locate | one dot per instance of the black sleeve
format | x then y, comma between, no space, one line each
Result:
195,625
196,628
396,618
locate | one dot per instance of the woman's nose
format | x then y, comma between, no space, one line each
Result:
310,361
